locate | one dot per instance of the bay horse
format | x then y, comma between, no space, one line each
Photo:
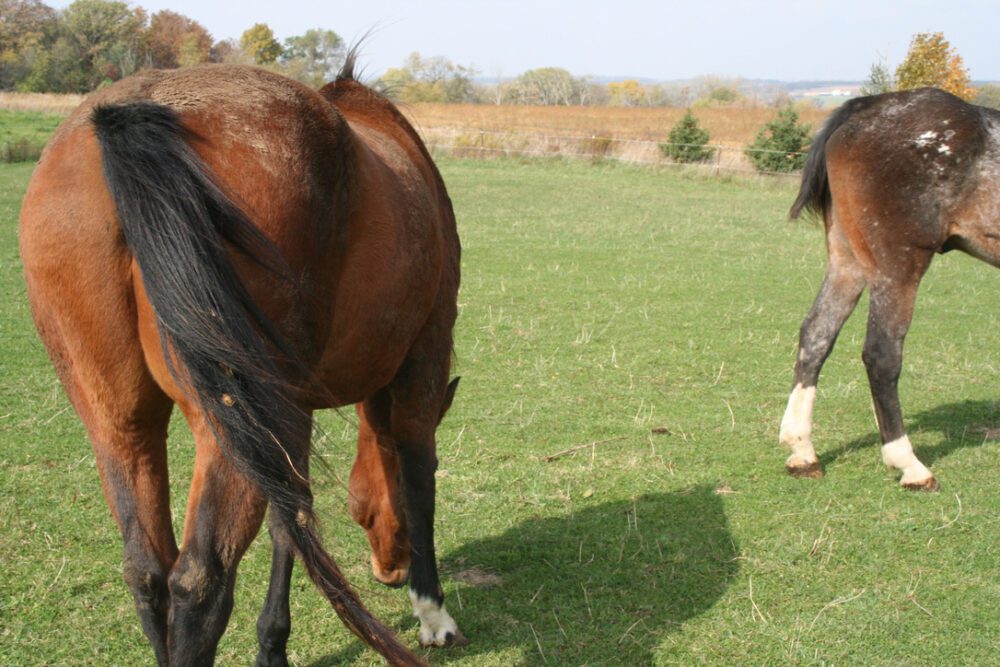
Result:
227,240
896,178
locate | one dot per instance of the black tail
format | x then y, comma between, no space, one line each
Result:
177,224
814,193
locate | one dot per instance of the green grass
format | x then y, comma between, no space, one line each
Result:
23,134
598,303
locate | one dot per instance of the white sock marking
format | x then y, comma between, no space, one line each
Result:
796,426
435,622
899,454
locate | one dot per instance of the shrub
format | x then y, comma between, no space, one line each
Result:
20,150
781,144
686,141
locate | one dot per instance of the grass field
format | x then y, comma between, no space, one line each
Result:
652,313
23,134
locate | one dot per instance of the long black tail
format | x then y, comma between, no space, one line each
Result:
178,223
814,193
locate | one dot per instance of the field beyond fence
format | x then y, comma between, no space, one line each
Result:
625,134
632,135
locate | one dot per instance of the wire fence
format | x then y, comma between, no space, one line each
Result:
491,144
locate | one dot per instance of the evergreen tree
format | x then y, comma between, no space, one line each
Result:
686,141
780,146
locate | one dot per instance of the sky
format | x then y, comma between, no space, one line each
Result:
787,40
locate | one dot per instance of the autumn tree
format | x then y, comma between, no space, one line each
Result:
988,95
228,51
107,36
931,61
548,85
91,43
259,43
628,93
313,58
431,79
174,40
26,31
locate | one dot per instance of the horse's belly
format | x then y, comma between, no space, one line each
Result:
365,350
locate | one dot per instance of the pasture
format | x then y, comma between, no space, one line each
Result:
645,320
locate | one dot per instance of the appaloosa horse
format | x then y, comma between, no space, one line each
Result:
227,240
896,179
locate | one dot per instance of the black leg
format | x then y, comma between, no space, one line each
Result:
275,622
888,321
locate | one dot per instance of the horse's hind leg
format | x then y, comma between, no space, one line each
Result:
130,452
224,514
889,317
837,298
79,290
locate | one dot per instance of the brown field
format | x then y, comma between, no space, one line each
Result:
59,105
627,134
727,126
474,130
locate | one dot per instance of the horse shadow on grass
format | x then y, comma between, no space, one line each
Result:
606,583
962,424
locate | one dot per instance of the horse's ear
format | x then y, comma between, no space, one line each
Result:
449,396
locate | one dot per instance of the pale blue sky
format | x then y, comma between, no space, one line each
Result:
770,39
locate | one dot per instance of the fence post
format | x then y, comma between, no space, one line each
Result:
718,159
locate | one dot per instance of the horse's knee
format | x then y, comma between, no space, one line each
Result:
146,578
194,580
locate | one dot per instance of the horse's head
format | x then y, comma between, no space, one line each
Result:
376,503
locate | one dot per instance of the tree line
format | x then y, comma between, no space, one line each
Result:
92,43
931,60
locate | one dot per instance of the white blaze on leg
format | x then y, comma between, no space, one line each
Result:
435,623
899,454
796,427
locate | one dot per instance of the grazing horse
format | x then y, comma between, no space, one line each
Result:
896,179
227,240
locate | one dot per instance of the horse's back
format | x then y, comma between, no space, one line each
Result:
901,166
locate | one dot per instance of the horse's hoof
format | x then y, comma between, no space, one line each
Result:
456,639
450,639
813,470
929,484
